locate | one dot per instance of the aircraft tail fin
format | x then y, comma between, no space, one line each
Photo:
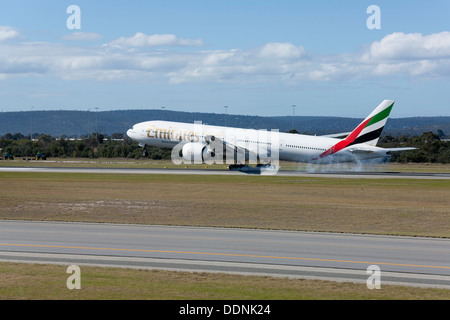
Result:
367,132
370,129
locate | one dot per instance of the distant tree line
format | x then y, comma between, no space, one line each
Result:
431,148
93,146
78,123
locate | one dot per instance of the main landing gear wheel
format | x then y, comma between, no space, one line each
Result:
145,152
236,166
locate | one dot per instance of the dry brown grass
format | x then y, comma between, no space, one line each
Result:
408,207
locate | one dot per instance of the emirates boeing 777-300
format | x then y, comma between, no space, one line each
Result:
200,143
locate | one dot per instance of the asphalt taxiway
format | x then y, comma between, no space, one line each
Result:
410,261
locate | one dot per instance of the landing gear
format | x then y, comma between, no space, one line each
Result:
260,168
233,167
247,167
145,152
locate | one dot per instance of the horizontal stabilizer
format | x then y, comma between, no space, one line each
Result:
399,149
337,135
361,151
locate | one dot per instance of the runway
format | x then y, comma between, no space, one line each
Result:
410,261
288,173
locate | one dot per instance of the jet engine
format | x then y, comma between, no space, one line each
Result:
196,152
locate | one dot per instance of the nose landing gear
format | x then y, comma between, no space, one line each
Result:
145,151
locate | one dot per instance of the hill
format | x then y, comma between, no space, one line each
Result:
79,123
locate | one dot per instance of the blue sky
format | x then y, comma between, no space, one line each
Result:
256,57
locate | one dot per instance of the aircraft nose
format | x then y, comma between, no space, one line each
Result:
131,133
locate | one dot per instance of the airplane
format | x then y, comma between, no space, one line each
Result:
200,143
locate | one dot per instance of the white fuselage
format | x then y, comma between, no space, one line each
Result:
290,147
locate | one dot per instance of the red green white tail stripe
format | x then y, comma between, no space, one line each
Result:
367,132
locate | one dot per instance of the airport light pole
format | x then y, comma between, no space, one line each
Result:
96,123
31,133
89,123
293,116
226,108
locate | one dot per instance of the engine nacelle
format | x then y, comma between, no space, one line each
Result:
196,152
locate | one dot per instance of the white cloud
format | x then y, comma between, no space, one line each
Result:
401,46
276,50
271,61
82,36
156,40
396,55
7,33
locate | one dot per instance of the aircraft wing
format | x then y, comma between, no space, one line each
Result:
229,148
